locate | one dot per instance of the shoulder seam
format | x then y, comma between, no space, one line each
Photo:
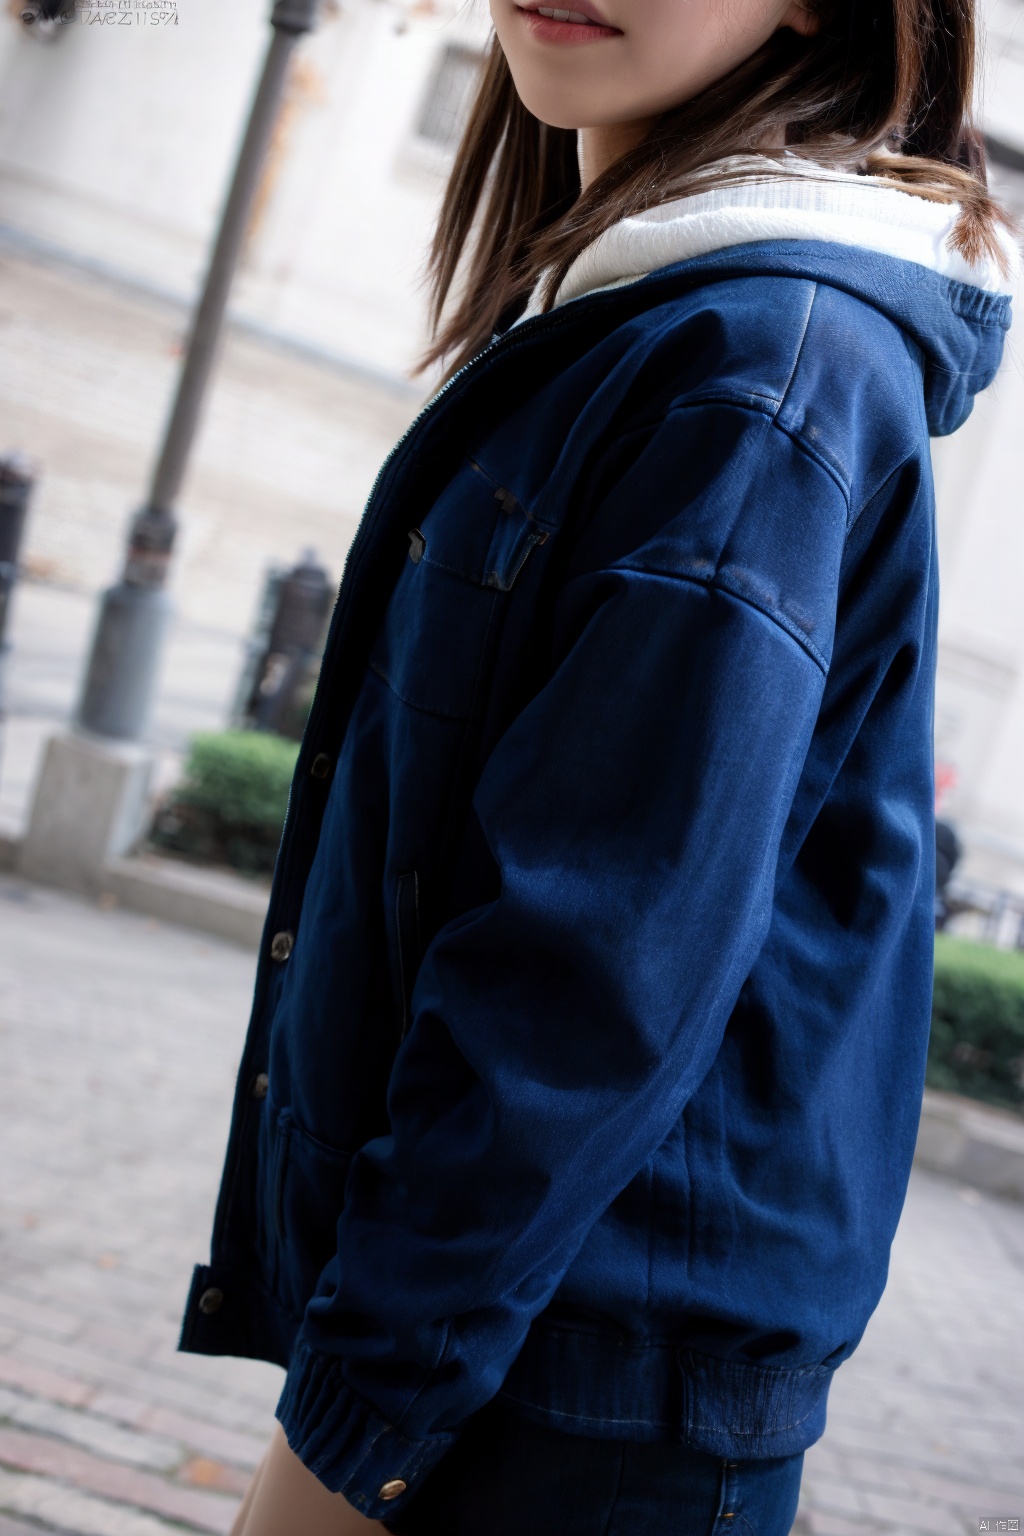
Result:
800,347
729,589
769,405
813,452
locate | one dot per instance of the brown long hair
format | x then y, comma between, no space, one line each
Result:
884,87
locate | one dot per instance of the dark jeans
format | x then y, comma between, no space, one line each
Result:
509,1477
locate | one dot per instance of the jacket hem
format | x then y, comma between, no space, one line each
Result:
609,1388
228,1313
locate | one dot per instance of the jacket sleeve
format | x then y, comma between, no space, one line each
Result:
634,811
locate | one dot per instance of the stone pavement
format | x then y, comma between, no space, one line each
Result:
119,1039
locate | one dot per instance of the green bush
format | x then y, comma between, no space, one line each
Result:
977,1039
230,806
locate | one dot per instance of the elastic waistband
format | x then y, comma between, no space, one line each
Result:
610,1388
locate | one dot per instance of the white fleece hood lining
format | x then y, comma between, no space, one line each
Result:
797,202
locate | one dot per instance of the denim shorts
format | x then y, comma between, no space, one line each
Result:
507,1476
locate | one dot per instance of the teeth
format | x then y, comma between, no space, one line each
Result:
575,16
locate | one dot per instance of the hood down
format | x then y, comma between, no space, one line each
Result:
826,225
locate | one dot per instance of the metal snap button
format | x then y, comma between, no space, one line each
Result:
392,1490
211,1301
320,767
260,1084
281,945
417,546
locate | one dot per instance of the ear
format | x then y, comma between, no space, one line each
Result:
801,18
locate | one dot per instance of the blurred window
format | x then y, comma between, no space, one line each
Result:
449,96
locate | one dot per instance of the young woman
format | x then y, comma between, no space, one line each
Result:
583,1079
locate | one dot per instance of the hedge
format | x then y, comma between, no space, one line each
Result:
977,1039
231,803
230,807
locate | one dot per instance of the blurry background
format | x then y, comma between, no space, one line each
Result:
120,1028
116,142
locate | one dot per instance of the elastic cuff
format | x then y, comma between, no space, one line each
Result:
345,1442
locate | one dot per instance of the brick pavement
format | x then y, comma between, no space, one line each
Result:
119,1039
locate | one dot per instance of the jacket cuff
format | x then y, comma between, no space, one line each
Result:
344,1442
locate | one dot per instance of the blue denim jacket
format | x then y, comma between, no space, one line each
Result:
590,1022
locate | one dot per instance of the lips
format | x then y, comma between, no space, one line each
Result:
576,17
561,24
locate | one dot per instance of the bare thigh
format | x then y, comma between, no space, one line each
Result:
284,1499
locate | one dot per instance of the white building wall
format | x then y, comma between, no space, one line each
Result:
116,144
979,725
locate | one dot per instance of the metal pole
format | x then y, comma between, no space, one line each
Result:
120,680
16,483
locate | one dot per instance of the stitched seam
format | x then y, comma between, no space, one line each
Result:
760,405
585,1418
717,585
618,1488
435,714
800,348
429,1373
468,577
762,401
814,453
758,1434
791,432
403,995
723,1494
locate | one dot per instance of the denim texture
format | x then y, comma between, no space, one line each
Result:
507,1477
595,1068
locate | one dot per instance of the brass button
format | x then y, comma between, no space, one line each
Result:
392,1490
417,549
260,1084
320,767
211,1301
281,945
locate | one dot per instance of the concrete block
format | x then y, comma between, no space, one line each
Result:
212,901
972,1142
91,805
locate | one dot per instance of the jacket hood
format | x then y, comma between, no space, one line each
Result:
890,248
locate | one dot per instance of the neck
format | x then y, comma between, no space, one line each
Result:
600,147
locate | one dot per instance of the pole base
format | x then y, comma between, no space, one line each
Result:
120,683
91,804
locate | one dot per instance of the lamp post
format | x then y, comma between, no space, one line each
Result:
16,484
91,798
120,680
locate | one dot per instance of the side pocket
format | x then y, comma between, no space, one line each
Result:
284,1139
309,1196
408,942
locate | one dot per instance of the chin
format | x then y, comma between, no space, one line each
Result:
549,107
555,107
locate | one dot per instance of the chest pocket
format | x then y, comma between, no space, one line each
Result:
443,617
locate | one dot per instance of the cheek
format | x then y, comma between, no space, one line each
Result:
679,47
671,50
